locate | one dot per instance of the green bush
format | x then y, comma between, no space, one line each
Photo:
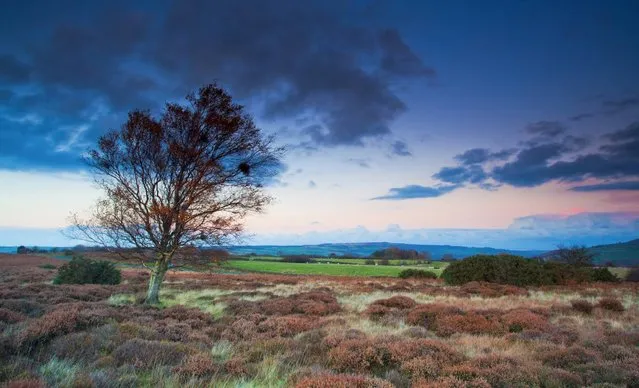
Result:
602,275
84,271
417,273
519,271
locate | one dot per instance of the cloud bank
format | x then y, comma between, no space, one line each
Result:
548,155
77,71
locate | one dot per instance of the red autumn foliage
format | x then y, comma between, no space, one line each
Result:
358,356
567,358
198,365
376,312
426,314
554,377
422,367
611,304
286,326
582,305
341,381
398,302
407,349
9,316
362,354
60,321
25,383
492,290
393,306
145,354
522,319
317,303
236,367
451,382
471,323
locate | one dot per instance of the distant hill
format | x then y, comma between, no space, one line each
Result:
624,254
365,249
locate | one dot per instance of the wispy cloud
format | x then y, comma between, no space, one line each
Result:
415,191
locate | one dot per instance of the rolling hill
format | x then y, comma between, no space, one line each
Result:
365,249
624,254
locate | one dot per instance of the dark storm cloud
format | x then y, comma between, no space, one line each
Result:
415,191
12,70
300,56
628,185
400,148
630,133
291,61
398,58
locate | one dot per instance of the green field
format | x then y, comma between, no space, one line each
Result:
323,268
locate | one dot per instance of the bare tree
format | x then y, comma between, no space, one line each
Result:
187,178
576,255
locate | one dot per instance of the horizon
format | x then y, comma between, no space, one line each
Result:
501,124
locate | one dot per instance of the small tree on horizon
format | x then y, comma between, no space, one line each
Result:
187,178
579,256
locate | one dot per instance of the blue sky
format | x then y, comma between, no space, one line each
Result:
504,123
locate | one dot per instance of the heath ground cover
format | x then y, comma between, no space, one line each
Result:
274,330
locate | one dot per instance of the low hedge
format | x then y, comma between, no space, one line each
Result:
519,271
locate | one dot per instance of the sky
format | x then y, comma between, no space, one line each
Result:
512,124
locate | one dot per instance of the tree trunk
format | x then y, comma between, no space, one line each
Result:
157,276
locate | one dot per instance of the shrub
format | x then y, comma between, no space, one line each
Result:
398,301
47,266
422,367
369,262
611,304
145,354
384,262
504,269
556,378
577,255
522,319
10,316
582,305
358,355
60,321
84,271
426,315
518,271
568,358
198,365
341,381
471,323
417,273
602,275
298,259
